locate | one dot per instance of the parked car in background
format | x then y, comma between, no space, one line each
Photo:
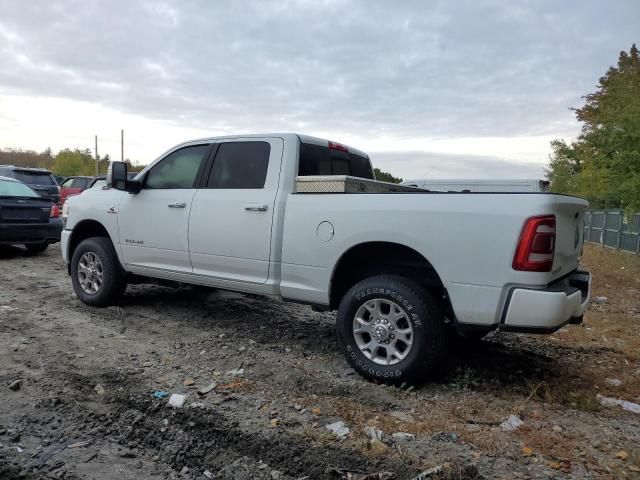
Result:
479,185
73,186
27,218
101,180
59,179
39,180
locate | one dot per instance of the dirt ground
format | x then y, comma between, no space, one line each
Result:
84,407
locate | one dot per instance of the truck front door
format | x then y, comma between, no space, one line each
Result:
153,223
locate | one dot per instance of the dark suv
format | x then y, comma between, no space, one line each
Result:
40,180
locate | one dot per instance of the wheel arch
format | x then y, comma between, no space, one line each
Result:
87,229
371,258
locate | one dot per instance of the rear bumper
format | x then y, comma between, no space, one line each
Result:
17,233
545,311
20,233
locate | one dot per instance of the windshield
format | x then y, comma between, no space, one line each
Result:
34,178
99,184
15,189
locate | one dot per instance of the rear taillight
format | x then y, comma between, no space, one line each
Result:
534,252
55,211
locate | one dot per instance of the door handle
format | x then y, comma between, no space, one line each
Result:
256,207
177,205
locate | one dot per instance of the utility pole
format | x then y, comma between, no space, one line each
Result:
122,144
97,155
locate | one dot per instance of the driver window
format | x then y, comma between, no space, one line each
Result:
178,169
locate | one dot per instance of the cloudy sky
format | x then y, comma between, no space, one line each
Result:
429,88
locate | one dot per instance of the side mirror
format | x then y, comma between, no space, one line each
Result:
117,178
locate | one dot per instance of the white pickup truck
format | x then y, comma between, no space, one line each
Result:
403,268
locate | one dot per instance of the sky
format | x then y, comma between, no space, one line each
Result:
437,89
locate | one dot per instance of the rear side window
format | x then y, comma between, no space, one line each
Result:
178,169
34,178
240,165
322,160
80,182
15,189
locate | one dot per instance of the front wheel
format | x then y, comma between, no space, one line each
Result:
96,274
391,330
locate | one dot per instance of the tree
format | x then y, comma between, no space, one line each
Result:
74,162
385,176
603,164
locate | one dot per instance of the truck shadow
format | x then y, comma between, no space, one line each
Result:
243,317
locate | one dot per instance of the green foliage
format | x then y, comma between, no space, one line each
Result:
603,164
385,176
26,158
66,163
74,162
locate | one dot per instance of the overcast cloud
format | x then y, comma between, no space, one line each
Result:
414,79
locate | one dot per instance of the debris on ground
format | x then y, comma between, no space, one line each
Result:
339,429
207,389
15,385
160,394
600,300
612,402
429,473
234,372
373,433
512,423
99,389
187,382
373,476
177,401
613,382
403,436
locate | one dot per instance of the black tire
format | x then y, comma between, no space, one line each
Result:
36,247
113,277
427,355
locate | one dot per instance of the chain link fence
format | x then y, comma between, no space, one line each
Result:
613,229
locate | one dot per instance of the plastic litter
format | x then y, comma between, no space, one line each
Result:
160,394
512,423
613,402
339,429
177,401
373,433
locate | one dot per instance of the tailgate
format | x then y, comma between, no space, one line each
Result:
569,213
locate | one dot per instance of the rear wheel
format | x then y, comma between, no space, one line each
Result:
96,274
391,330
37,247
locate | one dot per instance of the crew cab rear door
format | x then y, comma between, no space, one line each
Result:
232,211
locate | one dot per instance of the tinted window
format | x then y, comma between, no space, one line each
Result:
99,183
67,183
34,178
322,160
178,169
15,189
80,182
240,165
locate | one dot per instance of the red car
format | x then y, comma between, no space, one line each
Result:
73,186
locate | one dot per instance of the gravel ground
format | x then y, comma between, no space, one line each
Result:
83,404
